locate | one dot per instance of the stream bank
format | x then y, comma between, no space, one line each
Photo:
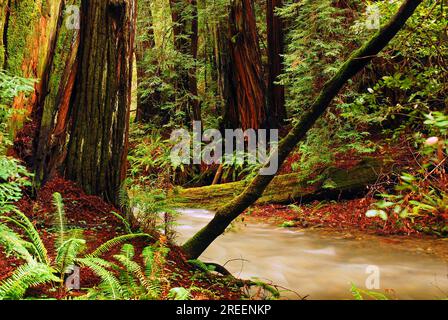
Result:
323,263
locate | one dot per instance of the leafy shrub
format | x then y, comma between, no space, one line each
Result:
10,87
13,177
422,191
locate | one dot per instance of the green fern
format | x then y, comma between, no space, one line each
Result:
179,294
13,243
109,245
360,294
59,218
25,276
110,284
126,224
27,226
148,260
68,252
150,286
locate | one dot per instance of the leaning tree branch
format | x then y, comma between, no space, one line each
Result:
195,246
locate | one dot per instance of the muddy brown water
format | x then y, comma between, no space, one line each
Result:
321,264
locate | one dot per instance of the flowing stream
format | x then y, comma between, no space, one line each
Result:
321,264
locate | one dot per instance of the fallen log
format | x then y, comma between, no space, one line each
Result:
287,188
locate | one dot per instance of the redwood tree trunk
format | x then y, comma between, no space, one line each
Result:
87,128
242,70
276,92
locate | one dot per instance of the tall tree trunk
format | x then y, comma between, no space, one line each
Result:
87,126
275,92
195,246
193,82
244,90
145,41
179,11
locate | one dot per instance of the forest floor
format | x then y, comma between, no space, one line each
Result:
93,216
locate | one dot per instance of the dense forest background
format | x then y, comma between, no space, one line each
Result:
90,92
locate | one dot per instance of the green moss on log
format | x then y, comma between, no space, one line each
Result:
284,188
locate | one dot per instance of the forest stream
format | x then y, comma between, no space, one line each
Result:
320,264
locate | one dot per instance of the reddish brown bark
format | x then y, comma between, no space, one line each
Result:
85,121
244,89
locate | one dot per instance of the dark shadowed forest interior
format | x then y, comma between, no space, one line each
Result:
223,149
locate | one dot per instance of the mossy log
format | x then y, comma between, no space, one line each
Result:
286,188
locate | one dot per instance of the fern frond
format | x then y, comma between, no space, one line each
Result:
25,276
123,196
110,283
133,268
107,246
27,226
59,218
68,252
148,260
13,243
179,294
123,220
153,258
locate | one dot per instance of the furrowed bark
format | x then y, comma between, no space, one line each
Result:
100,104
244,90
84,115
195,246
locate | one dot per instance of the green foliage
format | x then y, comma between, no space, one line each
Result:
234,169
133,281
149,159
361,294
36,247
152,210
67,253
125,222
59,217
422,191
315,42
110,286
410,78
13,177
10,87
25,276
38,267
201,265
110,244
317,39
166,63
179,294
